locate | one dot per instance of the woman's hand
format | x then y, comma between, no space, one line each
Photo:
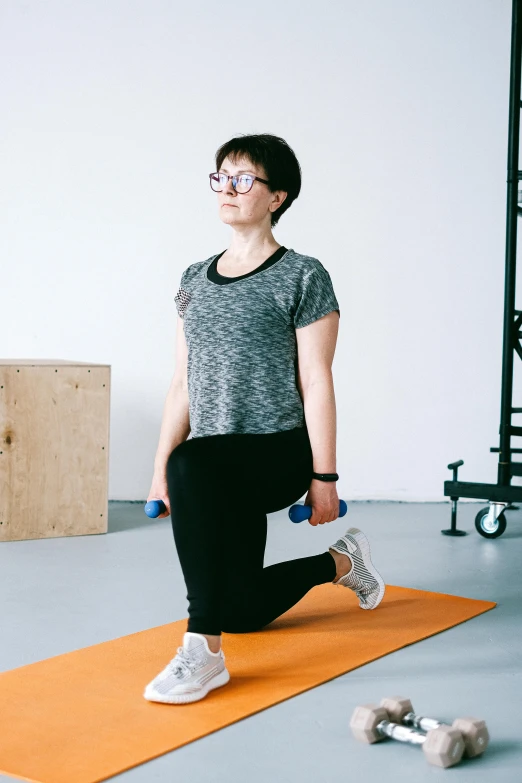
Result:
323,498
160,491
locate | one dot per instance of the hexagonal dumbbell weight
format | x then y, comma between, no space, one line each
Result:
442,746
474,730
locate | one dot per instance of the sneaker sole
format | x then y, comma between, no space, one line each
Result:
183,698
364,546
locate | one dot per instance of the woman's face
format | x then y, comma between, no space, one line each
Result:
250,208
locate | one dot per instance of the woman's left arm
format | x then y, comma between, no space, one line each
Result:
316,348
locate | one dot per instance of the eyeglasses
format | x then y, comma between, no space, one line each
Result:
241,183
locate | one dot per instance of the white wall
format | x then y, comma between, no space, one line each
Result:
111,113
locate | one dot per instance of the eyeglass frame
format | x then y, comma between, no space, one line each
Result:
234,177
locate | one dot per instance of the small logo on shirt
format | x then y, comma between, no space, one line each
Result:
182,300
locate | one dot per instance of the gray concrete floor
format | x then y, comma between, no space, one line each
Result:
62,594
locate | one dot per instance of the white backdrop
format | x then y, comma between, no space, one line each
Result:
398,113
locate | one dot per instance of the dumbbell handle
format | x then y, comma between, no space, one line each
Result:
401,733
299,512
420,722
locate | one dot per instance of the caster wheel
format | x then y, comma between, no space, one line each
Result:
487,529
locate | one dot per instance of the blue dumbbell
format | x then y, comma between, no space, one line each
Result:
154,508
299,511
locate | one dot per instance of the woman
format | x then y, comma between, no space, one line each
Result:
253,385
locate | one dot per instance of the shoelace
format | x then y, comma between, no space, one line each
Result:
182,663
362,592
360,588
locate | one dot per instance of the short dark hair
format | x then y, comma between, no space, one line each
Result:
277,159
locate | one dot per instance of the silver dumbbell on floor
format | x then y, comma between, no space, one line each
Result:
474,730
442,746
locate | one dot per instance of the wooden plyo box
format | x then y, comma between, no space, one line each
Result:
54,448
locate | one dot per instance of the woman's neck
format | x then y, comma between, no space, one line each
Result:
241,257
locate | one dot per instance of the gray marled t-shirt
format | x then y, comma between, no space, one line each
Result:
242,348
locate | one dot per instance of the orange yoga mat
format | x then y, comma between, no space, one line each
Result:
81,717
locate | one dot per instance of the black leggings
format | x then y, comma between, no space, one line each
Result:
221,487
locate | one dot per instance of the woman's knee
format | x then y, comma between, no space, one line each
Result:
238,618
239,625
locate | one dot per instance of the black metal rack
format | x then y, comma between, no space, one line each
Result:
490,521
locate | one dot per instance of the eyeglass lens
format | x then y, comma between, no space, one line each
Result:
243,182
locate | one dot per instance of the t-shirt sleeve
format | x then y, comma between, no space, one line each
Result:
316,297
182,298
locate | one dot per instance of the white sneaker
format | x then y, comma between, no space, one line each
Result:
363,579
190,675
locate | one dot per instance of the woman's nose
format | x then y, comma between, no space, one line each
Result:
229,190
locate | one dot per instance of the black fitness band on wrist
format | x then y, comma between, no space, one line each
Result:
326,476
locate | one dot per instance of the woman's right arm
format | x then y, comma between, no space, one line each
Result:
175,425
